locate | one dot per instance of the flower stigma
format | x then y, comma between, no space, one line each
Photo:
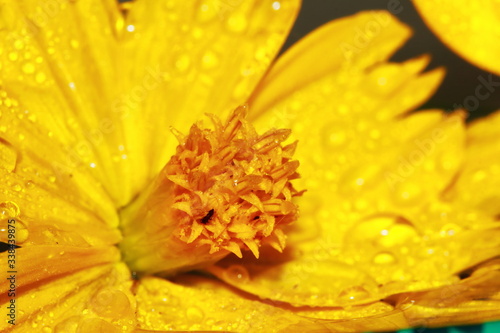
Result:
225,190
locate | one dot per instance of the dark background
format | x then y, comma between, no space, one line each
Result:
461,79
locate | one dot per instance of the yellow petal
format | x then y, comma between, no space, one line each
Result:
39,264
51,213
474,299
478,185
372,216
343,61
300,281
470,29
96,299
182,60
58,78
197,303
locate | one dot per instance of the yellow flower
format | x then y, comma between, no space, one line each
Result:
398,226
471,29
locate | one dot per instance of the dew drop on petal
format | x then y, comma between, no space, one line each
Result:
8,156
407,193
237,23
449,160
385,230
9,209
182,63
355,179
209,60
19,44
207,11
262,54
334,135
22,232
109,302
13,56
450,229
28,68
384,258
40,77
353,294
74,43
237,273
194,314
399,233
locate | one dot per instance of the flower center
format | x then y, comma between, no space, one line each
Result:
226,189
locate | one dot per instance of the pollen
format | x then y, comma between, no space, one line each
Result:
233,187
226,190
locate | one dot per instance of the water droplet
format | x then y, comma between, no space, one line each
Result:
109,302
19,44
262,54
194,314
9,209
209,60
334,135
353,294
17,187
22,232
449,160
399,233
182,63
207,11
237,22
384,79
385,230
384,258
276,5
407,193
450,229
28,68
237,273
130,28
47,329
13,56
8,156
355,179
40,77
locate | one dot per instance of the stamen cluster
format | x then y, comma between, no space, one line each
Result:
232,186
